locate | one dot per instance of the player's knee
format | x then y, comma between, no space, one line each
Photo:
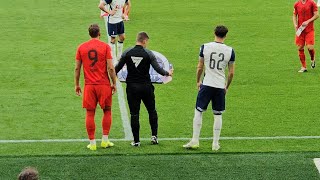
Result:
300,48
122,38
311,47
134,116
217,112
107,108
90,112
113,40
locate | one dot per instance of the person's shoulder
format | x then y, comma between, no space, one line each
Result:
82,45
108,1
127,50
149,52
311,2
103,43
207,44
229,48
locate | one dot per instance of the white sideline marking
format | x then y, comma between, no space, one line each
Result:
124,113
317,163
163,139
122,106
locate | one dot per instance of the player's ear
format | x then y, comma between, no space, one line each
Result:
145,41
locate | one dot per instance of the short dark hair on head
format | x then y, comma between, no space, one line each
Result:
29,173
221,31
94,30
142,36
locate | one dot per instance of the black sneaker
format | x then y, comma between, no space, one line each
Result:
313,64
154,140
135,144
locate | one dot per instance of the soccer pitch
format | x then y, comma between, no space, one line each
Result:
270,128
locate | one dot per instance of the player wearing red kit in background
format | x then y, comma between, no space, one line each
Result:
304,13
95,56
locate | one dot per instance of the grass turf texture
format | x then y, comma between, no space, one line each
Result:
267,98
170,166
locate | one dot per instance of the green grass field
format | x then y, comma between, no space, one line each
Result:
267,98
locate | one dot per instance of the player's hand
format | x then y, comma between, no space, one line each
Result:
170,72
225,91
125,17
78,90
305,23
199,85
113,11
104,14
114,88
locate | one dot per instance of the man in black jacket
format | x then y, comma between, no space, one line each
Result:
139,87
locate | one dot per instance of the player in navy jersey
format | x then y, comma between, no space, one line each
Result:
215,57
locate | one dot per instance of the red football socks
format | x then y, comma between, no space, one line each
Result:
312,53
106,121
302,58
90,125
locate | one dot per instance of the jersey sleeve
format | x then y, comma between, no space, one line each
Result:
201,51
314,6
108,49
155,65
233,57
108,1
78,55
295,12
122,60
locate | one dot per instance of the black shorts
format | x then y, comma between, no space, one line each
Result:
137,92
116,29
207,94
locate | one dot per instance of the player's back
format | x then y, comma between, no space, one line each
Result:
216,58
94,54
138,64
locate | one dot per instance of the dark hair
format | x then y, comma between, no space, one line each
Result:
142,36
221,31
94,30
28,173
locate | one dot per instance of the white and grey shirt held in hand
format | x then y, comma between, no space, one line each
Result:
138,60
113,4
216,58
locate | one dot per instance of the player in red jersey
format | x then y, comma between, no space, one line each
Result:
95,56
304,13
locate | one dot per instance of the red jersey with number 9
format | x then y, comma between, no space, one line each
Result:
94,54
305,11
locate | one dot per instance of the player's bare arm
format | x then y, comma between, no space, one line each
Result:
200,71
112,74
127,7
231,67
77,77
294,19
314,17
